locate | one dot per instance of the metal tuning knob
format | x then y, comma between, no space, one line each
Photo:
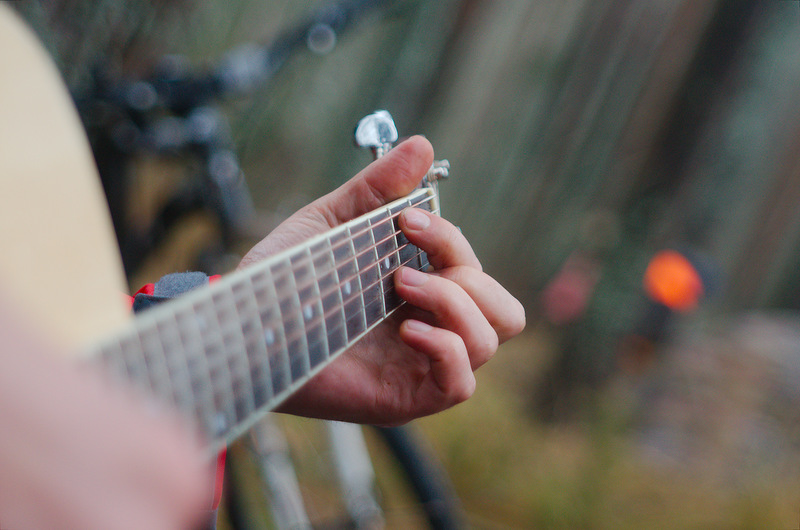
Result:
440,170
377,132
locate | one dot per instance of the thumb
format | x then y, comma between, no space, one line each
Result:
390,177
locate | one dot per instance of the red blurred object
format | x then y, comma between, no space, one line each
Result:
672,280
566,297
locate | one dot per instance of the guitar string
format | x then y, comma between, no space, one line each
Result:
322,318
314,280
352,260
307,261
319,318
368,227
309,326
207,410
318,322
283,371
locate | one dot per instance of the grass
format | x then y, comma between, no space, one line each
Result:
512,472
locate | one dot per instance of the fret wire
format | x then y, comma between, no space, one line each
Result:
355,256
380,259
359,291
261,360
348,240
164,378
215,350
309,307
390,218
372,265
233,428
344,323
246,307
199,368
209,415
237,355
180,387
320,322
262,337
327,259
387,220
291,310
151,346
275,337
388,246
357,276
337,288
324,315
400,265
376,264
369,248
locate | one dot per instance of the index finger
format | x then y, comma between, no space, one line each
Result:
444,243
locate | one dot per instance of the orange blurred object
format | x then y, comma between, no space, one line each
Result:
672,280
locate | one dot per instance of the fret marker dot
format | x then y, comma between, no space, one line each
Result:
308,312
347,289
387,264
269,336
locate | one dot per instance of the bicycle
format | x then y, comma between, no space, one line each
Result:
175,113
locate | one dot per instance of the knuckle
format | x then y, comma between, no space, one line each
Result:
453,299
456,244
491,345
485,347
451,237
465,391
453,349
460,274
516,321
458,355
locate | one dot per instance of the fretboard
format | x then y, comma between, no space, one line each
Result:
226,354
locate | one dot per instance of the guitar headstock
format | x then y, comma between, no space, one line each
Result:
378,133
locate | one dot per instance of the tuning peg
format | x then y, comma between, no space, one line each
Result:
440,170
377,132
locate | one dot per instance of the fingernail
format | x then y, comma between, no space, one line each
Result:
412,277
416,325
415,219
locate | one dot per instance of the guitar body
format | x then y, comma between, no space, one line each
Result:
60,265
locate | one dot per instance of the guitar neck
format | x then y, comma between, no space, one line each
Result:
226,354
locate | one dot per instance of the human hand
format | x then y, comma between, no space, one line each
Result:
421,360
76,452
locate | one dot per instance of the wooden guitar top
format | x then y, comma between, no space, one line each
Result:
58,256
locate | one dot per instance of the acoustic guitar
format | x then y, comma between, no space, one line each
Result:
225,354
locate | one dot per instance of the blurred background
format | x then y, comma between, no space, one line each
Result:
628,169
